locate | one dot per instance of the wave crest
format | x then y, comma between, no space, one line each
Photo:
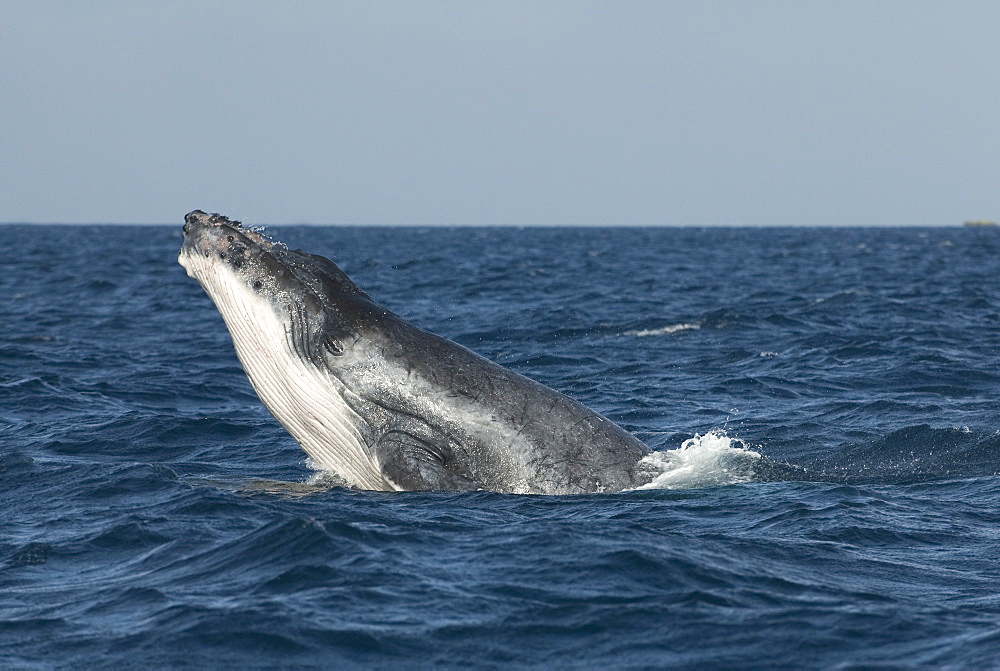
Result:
663,330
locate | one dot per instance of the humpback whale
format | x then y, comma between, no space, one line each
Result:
381,403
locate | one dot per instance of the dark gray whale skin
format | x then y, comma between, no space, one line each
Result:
430,414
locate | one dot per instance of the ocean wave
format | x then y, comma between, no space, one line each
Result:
669,329
156,515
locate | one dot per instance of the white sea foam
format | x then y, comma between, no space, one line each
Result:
708,460
664,330
322,478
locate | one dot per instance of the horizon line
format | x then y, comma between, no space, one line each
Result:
982,223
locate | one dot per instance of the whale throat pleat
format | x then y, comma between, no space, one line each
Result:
305,399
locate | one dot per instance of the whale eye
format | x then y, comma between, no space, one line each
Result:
222,255
230,238
257,284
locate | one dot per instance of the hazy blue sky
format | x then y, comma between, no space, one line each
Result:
664,113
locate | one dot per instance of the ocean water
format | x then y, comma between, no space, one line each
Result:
823,403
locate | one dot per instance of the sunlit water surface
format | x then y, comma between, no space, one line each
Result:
824,406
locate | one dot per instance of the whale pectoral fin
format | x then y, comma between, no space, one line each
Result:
413,464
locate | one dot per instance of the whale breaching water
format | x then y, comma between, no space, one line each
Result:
382,403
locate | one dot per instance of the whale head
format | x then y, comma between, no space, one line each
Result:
321,310
295,319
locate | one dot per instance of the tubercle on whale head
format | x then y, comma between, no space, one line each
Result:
216,220
202,218
213,219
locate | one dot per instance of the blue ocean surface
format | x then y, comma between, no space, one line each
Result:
823,403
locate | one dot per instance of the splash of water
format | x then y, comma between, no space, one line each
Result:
708,460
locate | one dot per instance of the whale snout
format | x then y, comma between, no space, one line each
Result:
200,225
212,239
206,219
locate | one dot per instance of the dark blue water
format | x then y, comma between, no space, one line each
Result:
152,513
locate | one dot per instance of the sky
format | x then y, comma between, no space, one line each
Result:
693,113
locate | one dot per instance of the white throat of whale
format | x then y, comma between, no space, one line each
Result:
305,399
